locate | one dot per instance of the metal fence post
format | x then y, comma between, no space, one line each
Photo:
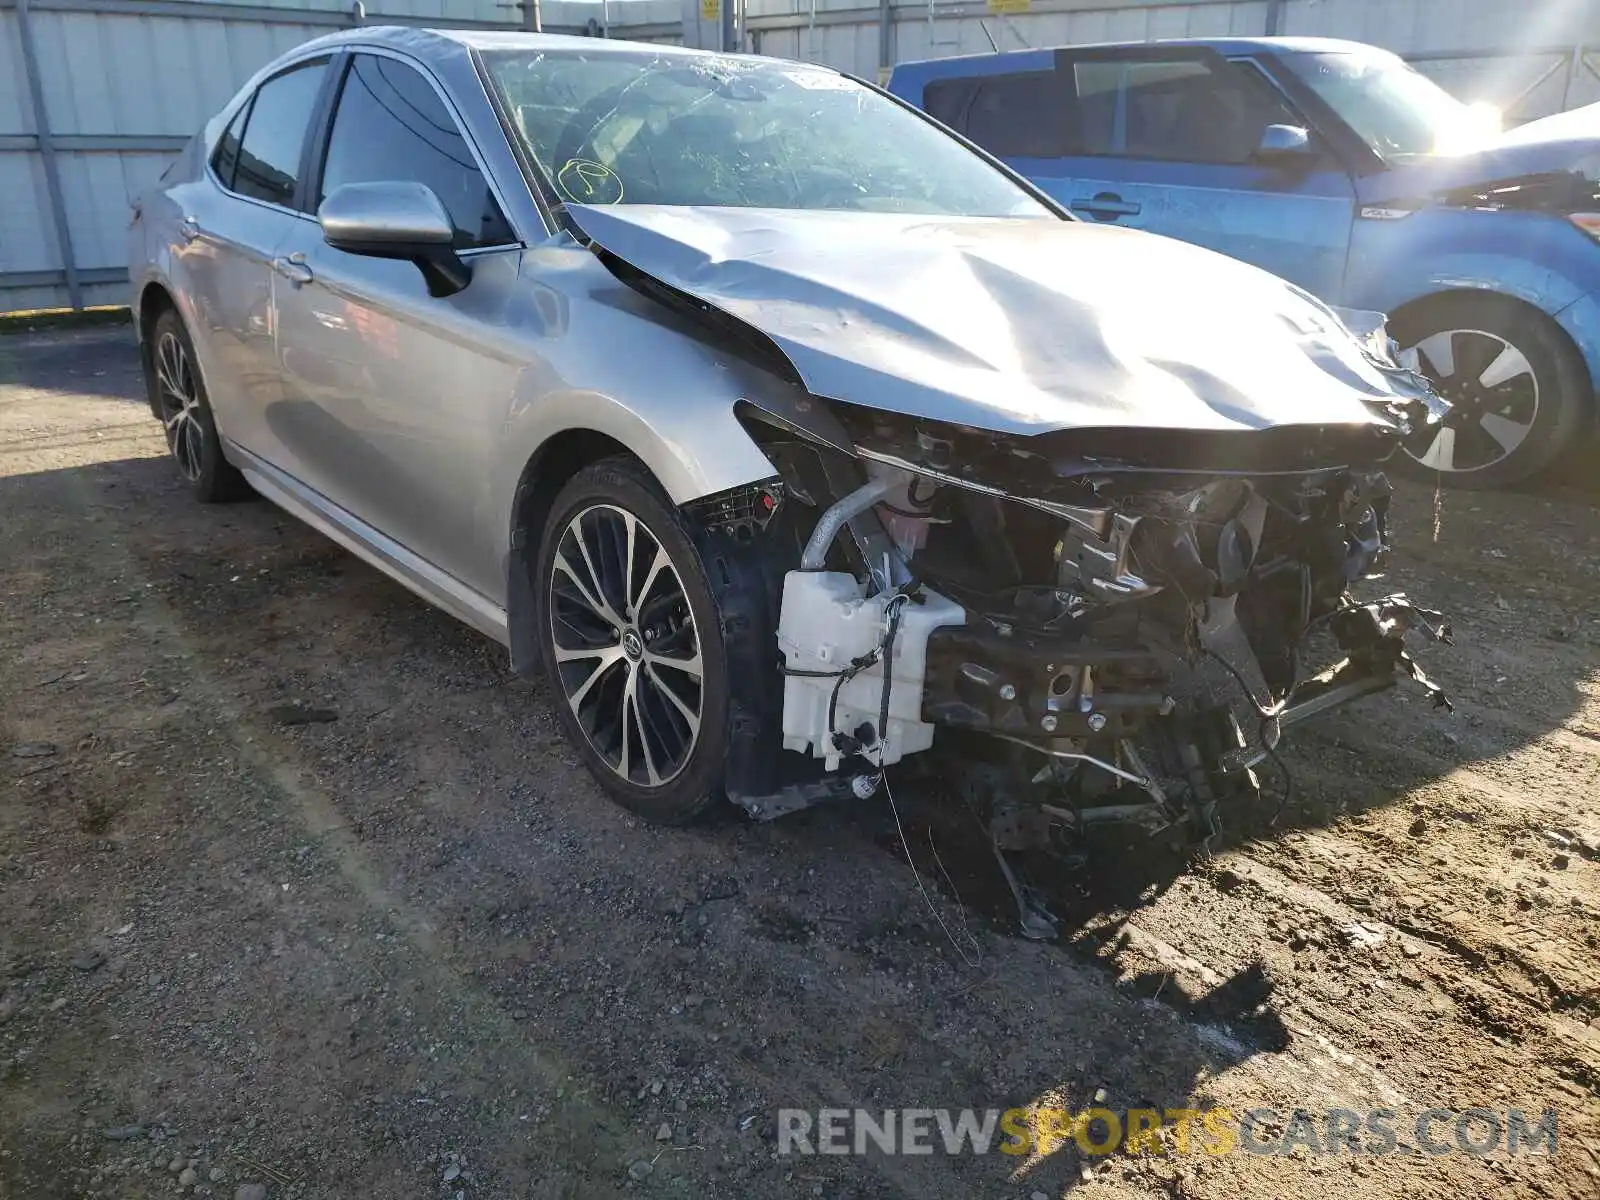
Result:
47,156
1574,69
885,44
1274,20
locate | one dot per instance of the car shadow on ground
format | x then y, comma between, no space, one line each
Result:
96,362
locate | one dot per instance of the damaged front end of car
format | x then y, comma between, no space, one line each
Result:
1102,593
1091,640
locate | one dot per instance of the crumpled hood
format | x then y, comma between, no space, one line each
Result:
1015,326
1554,145
1577,130
1520,154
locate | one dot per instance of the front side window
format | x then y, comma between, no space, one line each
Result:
620,127
1183,110
275,134
1395,109
391,125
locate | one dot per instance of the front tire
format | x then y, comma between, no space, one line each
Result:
632,637
1518,390
178,398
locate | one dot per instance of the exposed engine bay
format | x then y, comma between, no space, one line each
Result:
1118,644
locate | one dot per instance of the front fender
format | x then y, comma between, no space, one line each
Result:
1536,257
684,431
624,366
694,448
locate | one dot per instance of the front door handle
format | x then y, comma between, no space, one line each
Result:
188,229
293,268
1106,206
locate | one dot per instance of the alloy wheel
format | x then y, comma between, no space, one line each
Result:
1493,396
180,406
626,649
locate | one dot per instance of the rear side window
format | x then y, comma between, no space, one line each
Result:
225,158
275,134
947,100
1024,115
391,125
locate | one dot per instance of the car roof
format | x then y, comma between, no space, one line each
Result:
1042,58
424,42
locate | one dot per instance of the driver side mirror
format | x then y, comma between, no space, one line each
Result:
1284,145
396,219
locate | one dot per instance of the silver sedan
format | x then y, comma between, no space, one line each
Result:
781,426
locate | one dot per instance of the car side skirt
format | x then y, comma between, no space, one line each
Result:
368,544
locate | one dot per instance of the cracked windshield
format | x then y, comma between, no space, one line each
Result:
618,128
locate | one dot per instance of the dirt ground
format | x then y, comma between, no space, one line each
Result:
300,888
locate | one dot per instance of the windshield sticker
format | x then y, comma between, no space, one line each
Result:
584,181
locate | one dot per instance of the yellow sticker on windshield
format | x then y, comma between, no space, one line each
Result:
584,181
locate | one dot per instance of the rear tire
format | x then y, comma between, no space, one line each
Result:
178,398
1518,389
633,641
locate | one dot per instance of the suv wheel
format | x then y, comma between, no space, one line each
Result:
1517,389
631,634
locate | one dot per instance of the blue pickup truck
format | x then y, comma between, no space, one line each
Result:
1342,169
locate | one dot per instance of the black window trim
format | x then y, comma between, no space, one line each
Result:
317,146
545,199
242,115
293,209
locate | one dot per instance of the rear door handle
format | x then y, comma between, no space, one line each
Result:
189,229
1106,206
293,268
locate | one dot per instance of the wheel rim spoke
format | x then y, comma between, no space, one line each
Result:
603,664
1441,455
690,716
631,706
636,600
586,590
620,619
689,666
1506,366
631,526
1437,354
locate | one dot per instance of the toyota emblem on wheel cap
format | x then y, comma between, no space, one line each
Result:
632,645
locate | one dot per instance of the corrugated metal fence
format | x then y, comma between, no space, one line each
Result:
1531,58
96,95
